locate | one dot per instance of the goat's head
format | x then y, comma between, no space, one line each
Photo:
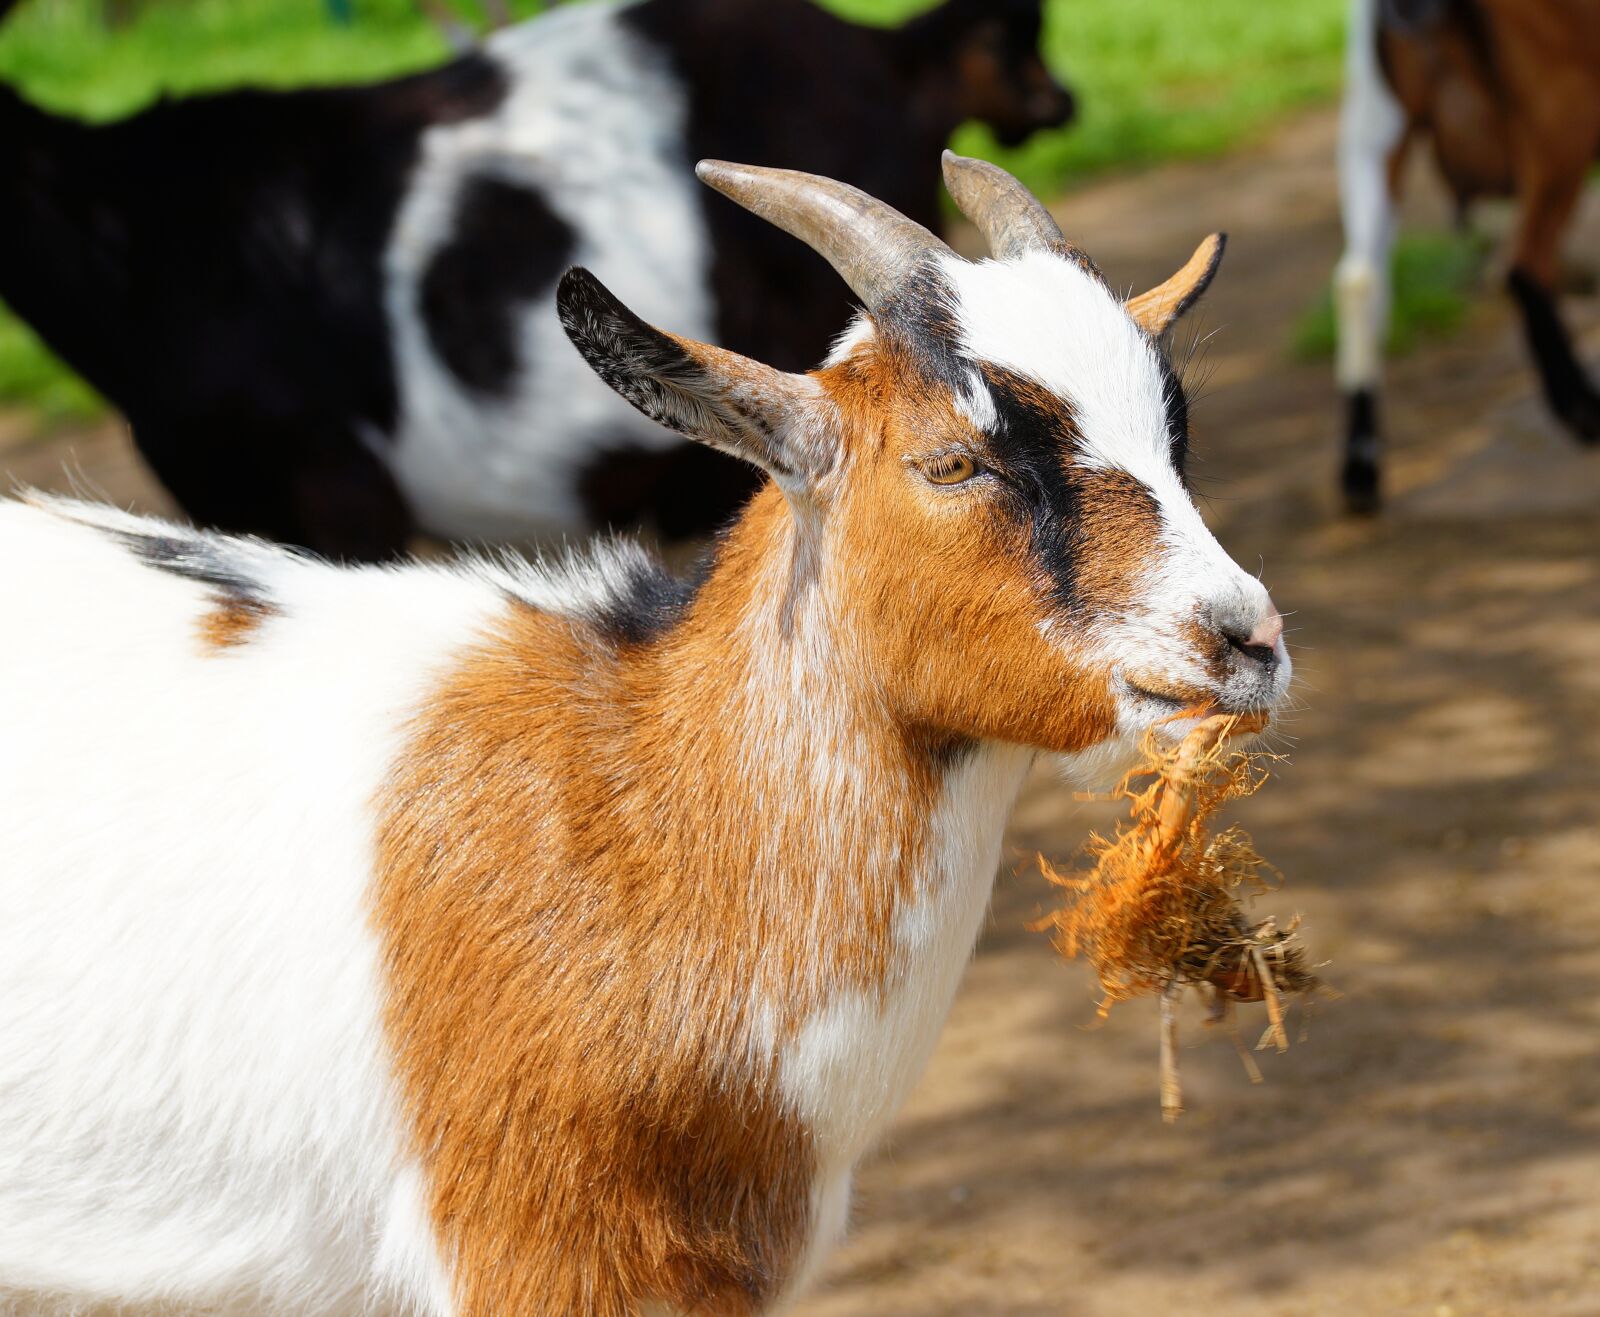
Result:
986,477
982,57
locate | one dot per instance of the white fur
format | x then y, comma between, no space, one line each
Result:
605,151
1045,318
195,1106
855,336
854,1062
1370,126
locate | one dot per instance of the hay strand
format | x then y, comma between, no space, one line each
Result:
1161,906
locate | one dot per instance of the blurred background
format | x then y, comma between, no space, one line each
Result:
1160,79
1432,1146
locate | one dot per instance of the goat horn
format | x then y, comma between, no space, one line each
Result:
1011,219
873,246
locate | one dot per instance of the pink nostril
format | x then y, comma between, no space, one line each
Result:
1269,630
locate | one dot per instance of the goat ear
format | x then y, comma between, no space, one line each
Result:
1156,310
765,416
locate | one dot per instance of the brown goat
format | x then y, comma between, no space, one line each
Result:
1508,94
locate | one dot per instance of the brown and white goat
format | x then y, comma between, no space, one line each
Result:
1508,94
500,938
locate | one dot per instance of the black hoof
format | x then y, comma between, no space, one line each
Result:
1359,476
1359,480
1581,415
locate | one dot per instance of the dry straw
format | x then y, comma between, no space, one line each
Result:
1161,907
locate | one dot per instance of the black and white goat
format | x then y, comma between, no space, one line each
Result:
328,314
1508,94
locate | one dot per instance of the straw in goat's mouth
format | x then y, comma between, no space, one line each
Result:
1160,908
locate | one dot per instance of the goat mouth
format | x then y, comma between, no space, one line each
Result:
1172,697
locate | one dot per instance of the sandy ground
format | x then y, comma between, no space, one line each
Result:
1433,1147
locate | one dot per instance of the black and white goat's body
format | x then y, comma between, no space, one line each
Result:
328,314
500,423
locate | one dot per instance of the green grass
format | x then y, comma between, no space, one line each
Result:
33,378
1434,275
1156,79
61,54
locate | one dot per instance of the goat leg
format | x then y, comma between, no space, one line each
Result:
1373,141
1549,194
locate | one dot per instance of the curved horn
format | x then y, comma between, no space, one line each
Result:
872,245
1011,219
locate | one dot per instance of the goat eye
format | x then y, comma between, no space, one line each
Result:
949,468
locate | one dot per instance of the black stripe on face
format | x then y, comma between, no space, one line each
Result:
1082,521
1085,524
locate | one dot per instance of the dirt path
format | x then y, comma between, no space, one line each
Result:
1434,1147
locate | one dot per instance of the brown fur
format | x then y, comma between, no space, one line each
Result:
574,1039
1155,310
1515,107
573,1064
232,621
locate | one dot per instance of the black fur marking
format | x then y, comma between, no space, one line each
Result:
231,249
1177,413
1360,476
629,354
920,323
1566,385
195,558
1033,443
654,601
1033,446
508,247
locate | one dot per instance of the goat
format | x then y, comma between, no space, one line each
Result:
1508,94
327,314
500,938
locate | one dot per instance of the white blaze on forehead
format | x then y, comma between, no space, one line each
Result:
1043,317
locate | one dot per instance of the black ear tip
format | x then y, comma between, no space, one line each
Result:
581,299
575,281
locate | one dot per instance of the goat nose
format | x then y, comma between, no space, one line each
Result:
1261,642
1267,633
